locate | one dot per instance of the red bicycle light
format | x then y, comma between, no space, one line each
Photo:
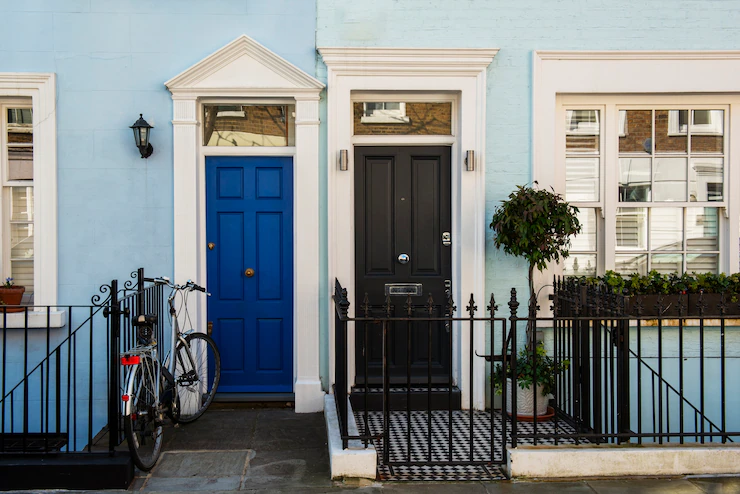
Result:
130,360
124,397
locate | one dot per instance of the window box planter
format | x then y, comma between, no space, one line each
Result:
670,305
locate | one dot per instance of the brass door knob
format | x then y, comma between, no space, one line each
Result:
249,272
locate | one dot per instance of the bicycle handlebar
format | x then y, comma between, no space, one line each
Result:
189,285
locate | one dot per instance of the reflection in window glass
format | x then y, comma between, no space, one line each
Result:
702,227
396,118
582,259
666,229
706,178
669,179
669,136
636,131
582,179
249,125
582,131
632,229
634,179
631,263
21,237
20,143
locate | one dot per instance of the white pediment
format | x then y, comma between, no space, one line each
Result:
243,64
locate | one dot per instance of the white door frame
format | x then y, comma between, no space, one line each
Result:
461,73
246,71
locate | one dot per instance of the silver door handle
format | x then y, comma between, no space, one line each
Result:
403,258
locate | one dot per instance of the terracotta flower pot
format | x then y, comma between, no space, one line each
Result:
11,296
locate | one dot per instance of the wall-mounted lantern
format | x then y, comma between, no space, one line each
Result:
470,160
343,160
141,135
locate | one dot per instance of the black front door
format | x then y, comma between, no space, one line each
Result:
402,211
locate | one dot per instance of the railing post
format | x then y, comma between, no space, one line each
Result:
513,307
340,341
623,368
140,309
113,386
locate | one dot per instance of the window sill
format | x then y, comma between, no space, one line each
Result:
36,319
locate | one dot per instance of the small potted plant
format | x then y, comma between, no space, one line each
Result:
10,296
534,371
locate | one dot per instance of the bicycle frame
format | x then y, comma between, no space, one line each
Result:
168,367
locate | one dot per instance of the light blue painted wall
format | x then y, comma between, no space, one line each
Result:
517,29
111,58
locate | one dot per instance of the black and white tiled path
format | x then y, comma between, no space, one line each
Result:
439,422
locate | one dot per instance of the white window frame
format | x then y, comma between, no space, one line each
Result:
612,109
40,88
640,75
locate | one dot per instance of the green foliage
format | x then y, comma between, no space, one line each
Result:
539,366
535,224
655,283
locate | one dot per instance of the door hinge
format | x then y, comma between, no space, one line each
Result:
210,328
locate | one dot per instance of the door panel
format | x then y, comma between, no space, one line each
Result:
249,216
402,206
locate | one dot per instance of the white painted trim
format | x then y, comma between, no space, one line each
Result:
203,83
450,74
631,73
356,461
563,462
41,88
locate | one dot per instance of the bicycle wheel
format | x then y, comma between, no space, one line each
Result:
197,372
142,427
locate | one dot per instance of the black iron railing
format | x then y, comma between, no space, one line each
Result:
656,375
60,373
435,429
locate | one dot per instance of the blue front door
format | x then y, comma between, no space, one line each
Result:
249,230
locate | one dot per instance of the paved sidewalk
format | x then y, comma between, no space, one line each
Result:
234,448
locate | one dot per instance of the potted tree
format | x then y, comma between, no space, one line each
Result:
11,295
535,224
535,372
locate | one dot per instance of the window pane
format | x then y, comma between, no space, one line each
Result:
582,130
707,131
636,132
702,263
249,125
22,273
634,179
666,229
669,179
580,265
20,144
586,240
630,263
21,204
702,226
667,263
632,228
21,240
706,177
393,118
582,179
671,131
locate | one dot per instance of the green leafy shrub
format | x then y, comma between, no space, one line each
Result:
541,366
655,283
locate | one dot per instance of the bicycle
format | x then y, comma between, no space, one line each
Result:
181,388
